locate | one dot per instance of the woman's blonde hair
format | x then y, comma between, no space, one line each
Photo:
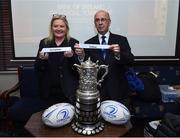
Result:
50,38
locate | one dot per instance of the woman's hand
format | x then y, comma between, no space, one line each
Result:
43,55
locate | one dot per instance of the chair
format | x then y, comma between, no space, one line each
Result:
8,102
20,110
17,110
29,101
5,123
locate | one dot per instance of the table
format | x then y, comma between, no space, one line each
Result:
37,128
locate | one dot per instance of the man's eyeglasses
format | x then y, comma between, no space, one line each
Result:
102,20
59,16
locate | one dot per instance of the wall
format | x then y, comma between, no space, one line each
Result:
8,79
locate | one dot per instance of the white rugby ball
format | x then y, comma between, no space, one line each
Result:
114,112
58,115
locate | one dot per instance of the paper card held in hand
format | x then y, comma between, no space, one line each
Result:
94,46
56,49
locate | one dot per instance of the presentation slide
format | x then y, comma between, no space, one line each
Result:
149,25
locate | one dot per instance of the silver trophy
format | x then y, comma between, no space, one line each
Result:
87,110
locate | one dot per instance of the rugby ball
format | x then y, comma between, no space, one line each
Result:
58,115
114,112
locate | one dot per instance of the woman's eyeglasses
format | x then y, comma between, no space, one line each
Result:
59,16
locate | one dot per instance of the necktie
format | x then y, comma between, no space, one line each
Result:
103,51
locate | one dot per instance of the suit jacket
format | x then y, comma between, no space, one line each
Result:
56,76
115,85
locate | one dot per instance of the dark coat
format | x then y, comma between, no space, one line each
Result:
56,75
115,85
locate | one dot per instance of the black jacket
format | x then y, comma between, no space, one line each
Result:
115,85
56,76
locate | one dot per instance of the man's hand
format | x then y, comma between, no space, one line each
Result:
79,51
115,48
68,53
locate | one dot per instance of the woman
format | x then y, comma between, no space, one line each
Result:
57,79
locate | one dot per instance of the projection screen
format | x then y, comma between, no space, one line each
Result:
149,25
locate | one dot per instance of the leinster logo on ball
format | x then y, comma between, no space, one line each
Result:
110,111
63,115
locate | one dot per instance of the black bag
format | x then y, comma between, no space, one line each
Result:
151,87
169,126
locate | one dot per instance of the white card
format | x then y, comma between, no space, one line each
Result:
94,46
56,49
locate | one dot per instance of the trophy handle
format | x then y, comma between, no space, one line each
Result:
106,72
77,66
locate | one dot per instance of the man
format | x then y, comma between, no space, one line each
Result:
117,57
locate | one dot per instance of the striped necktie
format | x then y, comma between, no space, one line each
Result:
103,51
